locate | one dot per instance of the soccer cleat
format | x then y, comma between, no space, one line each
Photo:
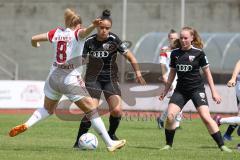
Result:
160,123
225,149
227,137
76,146
118,144
166,147
217,119
17,130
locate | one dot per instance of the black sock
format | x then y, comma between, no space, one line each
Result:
218,138
113,124
169,134
238,131
230,129
83,128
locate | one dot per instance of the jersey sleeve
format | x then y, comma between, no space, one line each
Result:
50,34
76,33
121,47
163,57
172,60
203,61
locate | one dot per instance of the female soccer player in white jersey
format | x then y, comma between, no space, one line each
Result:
234,81
67,44
164,60
233,121
186,62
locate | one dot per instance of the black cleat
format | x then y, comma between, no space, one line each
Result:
113,137
76,146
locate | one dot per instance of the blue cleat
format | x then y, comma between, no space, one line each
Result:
227,137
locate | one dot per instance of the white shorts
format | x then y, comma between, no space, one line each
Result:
72,86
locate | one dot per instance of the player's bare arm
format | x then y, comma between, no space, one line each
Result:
168,85
38,38
236,71
86,31
130,57
164,73
216,97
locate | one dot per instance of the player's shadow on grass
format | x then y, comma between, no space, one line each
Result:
212,147
144,147
37,149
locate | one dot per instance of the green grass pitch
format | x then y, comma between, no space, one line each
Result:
52,139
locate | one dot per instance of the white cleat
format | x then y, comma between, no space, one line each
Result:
118,144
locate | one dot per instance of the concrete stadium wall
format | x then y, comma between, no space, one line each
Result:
20,19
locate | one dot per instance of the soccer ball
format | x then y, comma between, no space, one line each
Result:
88,141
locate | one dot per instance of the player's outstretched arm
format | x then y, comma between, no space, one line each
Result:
216,97
130,57
39,38
236,71
168,85
86,31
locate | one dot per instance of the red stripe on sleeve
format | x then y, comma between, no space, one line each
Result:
51,34
76,34
163,54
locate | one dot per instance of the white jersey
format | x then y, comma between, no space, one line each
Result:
66,45
164,58
64,77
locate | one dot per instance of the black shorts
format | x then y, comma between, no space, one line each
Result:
95,88
198,98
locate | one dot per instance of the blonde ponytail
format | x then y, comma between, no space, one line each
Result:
71,18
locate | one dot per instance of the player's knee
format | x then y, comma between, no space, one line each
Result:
50,110
170,118
88,103
116,112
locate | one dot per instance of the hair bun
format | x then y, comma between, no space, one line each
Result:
106,13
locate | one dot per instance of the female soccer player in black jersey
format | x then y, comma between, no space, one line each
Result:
102,49
186,62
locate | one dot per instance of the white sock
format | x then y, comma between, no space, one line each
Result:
39,114
164,115
178,119
100,128
177,123
230,120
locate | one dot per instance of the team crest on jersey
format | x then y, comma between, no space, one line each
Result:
123,45
109,46
191,58
202,95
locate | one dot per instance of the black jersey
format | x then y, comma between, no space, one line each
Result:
102,55
187,65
